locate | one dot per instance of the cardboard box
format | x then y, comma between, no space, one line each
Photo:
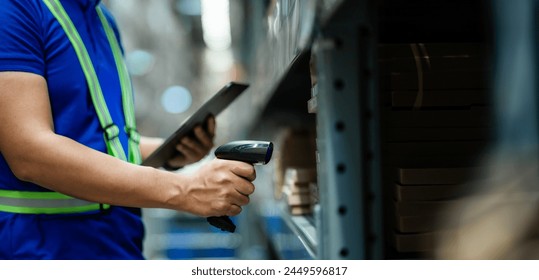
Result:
422,216
424,208
443,63
297,194
417,224
431,57
300,175
440,98
294,188
300,210
442,161
297,191
434,176
435,148
298,199
430,192
416,242
475,116
294,149
448,80
421,134
432,50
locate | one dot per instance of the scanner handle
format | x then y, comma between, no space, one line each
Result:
253,152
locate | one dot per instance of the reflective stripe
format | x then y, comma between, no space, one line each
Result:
114,146
51,210
23,202
127,91
42,203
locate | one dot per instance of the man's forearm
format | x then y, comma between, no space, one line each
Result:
57,162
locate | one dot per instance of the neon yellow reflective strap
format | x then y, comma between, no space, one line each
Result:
32,195
111,131
48,210
24,202
127,91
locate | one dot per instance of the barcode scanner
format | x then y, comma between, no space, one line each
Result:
253,152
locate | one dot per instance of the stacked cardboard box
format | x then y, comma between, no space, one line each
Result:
294,148
436,123
297,191
295,164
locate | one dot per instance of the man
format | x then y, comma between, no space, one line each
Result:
61,195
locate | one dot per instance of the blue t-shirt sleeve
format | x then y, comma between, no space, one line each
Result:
21,36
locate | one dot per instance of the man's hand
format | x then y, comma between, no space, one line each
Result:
219,187
193,149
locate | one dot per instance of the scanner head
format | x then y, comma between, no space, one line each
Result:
250,151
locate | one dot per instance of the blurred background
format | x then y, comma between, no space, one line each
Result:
402,129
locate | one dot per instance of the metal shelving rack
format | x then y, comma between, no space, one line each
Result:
348,223
342,37
348,134
516,72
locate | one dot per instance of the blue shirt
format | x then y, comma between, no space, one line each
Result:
32,40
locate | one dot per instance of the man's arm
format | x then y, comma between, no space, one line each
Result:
36,154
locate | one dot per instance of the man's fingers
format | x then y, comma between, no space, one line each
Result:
203,137
245,189
177,161
192,146
245,170
242,199
210,125
234,210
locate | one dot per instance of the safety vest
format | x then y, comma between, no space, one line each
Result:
25,202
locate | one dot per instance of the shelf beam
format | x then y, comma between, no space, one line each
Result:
350,223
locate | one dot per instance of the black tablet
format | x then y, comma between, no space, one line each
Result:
213,106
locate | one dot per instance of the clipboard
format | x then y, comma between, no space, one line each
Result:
213,106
